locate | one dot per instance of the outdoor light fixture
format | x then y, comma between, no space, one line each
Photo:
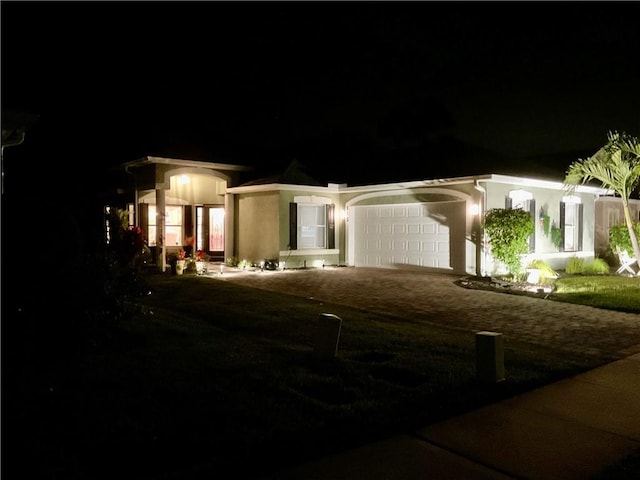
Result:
475,209
184,179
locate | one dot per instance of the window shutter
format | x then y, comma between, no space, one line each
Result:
562,225
532,238
331,226
580,207
293,226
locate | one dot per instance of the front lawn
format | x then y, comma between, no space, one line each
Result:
611,292
215,380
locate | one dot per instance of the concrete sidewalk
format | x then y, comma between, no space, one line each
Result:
571,429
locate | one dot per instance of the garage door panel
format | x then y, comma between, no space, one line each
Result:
406,234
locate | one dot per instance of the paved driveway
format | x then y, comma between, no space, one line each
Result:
603,334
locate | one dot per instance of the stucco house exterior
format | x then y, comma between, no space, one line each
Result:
433,224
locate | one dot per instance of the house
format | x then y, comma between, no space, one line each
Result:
296,222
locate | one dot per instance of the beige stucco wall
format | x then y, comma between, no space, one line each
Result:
302,258
257,220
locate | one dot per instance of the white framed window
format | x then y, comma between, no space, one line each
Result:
312,223
172,227
571,223
523,200
312,226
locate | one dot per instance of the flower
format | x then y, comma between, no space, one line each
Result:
181,254
200,256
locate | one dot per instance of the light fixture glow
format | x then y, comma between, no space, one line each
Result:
475,209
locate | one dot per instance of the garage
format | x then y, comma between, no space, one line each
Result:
415,234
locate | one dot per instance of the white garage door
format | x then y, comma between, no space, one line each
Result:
406,234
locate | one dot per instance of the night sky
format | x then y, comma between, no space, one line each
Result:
358,92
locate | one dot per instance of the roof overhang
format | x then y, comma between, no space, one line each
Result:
141,162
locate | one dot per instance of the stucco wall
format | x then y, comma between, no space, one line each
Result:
549,201
257,222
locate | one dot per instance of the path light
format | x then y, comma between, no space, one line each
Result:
221,268
262,265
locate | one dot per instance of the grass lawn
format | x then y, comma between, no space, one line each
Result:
612,292
214,380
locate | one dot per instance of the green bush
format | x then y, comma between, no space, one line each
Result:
556,236
547,274
574,266
597,266
509,231
619,236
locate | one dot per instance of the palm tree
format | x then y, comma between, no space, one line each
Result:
617,167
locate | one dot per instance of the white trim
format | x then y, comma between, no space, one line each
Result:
270,187
309,251
395,193
186,163
343,188
312,200
571,199
533,182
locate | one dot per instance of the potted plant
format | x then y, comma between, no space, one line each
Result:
201,266
180,262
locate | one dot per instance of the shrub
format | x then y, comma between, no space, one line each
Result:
547,274
232,262
598,266
509,230
574,266
556,236
619,236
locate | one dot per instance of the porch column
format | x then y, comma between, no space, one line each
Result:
161,260
229,215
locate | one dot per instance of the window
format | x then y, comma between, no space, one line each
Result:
108,210
172,227
312,226
571,223
523,200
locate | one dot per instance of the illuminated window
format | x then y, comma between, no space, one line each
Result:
571,223
312,226
108,219
172,226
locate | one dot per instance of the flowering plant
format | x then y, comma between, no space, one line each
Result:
200,256
181,254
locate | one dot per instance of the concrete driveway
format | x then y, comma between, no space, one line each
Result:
600,334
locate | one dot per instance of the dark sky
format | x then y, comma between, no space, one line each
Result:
470,86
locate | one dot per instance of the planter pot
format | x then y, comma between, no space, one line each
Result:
201,268
180,267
